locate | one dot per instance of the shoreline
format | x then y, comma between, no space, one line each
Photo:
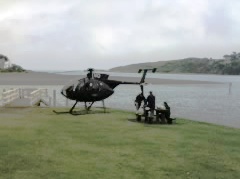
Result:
44,78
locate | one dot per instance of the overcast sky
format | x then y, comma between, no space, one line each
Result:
77,34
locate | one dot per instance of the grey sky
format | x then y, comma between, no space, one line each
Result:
77,34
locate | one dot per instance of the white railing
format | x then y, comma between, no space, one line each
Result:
32,95
44,92
9,96
36,95
25,92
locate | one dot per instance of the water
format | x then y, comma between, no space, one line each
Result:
204,102
198,77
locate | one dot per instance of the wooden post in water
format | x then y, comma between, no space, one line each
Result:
230,88
54,98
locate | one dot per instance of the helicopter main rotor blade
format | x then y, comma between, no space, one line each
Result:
145,73
142,82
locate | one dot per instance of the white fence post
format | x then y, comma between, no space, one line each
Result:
66,102
54,98
50,101
20,93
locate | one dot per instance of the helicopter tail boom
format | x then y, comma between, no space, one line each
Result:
114,83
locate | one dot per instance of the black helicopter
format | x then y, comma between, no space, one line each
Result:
95,87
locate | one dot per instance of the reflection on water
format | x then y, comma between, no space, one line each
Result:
209,102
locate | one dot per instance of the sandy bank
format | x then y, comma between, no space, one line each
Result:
41,78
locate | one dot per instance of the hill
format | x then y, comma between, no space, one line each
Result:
188,65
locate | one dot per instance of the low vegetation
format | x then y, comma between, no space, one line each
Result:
14,68
9,68
37,143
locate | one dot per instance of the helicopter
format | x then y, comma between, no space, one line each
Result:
95,87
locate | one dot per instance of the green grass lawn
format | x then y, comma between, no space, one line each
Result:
37,143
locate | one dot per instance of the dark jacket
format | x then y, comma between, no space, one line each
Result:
139,98
168,110
151,101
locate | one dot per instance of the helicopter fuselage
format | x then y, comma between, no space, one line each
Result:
95,87
87,90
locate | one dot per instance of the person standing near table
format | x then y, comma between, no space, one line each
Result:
151,103
138,100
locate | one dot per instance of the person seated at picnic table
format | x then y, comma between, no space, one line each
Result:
160,114
168,113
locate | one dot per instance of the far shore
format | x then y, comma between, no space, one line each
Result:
44,78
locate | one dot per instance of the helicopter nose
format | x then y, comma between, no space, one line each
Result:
66,89
63,92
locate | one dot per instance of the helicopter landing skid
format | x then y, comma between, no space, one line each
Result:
63,112
81,112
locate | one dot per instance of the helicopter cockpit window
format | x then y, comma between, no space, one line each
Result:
81,83
92,85
75,84
71,86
